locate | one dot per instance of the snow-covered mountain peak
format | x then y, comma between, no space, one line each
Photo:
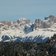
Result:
22,18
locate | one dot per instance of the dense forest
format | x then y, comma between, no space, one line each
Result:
29,48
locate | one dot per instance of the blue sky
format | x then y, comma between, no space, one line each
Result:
31,9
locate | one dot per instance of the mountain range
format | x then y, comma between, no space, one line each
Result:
23,30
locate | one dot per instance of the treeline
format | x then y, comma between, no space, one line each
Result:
29,49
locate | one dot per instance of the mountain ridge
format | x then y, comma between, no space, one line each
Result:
25,28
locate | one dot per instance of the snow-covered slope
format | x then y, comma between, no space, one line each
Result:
39,35
42,32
